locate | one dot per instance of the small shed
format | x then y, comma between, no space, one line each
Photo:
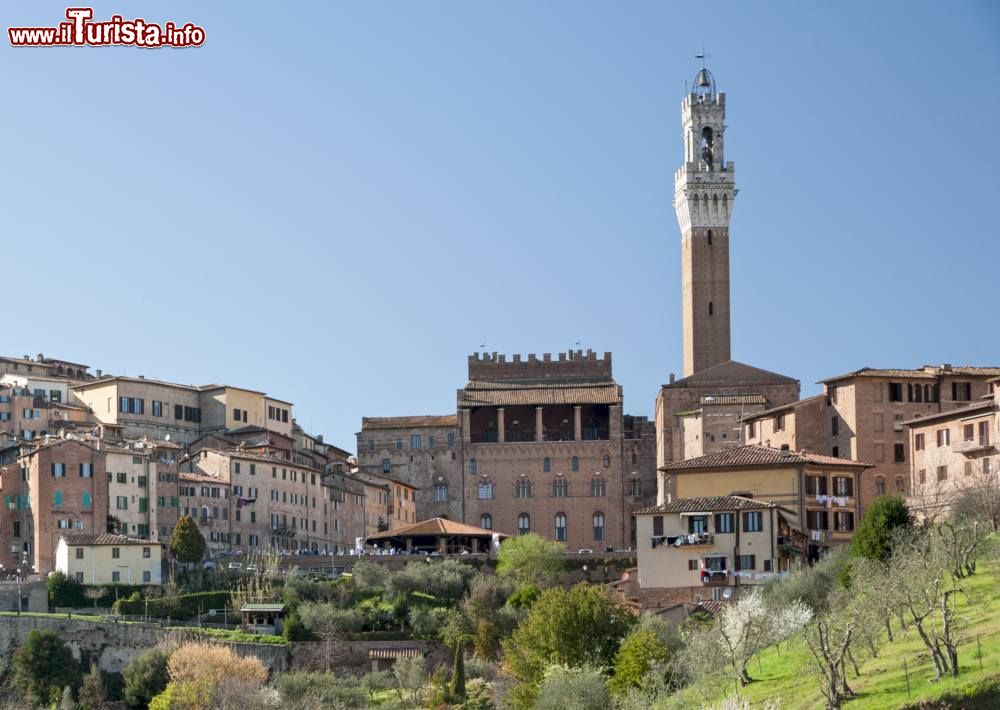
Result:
263,618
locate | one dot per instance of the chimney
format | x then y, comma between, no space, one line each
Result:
142,377
40,357
98,374
946,367
671,378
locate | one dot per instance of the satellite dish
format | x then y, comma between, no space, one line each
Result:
727,593
167,437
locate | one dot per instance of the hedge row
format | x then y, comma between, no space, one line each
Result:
185,606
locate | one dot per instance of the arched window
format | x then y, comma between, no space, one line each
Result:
88,501
927,393
598,489
635,458
879,486
472,467
486,521
607,461
635,488
523,524
440,492
560,487
918,394
546,464
523,488
900,485
561,527
485,490
574,464
57,497
565,430
515,431
598,526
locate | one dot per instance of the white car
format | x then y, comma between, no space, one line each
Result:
235,567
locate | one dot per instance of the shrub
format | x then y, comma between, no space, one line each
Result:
639,652
311,690
531,559
579,688
874,536
146,677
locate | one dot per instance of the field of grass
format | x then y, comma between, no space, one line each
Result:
786,674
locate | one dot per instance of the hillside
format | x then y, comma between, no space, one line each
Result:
786,673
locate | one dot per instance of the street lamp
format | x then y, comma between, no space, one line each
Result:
20,573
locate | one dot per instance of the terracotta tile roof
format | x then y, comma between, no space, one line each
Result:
970,411
107,539
446,420
782,408
434,526
711,607
723,399
511,393
729,373
741,456
927,372
709,504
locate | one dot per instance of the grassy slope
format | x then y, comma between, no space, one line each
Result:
789,676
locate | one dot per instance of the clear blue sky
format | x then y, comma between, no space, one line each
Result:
340,213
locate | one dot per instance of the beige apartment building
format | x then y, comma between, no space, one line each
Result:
710,547
109,559
953,452
861,416
133,407
349,511
42,366
819,494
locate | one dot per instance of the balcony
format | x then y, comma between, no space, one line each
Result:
692,539
713,577
974,446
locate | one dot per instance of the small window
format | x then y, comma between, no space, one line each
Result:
79,553
607,461
753,521
899,453
386,466
598,526
560,521
693,565
473,468
574,464
880,486
710,237
746,562
723,523
546,464
523,524
711,308
486,521
116,553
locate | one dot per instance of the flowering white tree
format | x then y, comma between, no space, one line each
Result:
749,625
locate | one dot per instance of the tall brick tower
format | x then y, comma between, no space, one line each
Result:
704,188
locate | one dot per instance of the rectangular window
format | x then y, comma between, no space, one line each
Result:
86,470
942,473
879,453
116,553
692,565
877,421
116,576
121,502
899,453
961,391
58,470
816,485
146,576
843,521
451,440
746,562
779,422
658,525
724,522
178,411
143,505
918,442
157,408
895,391
79,553
698,524
835,426
816,520
753,521
943,437
843,486
386,466
415,441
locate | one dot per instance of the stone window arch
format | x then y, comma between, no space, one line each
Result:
523,524
473,467
486,521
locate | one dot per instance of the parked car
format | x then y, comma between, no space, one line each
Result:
209,564
235,567
584,551
251,568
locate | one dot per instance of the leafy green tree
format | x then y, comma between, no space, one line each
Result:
531,559
146,677
638,654
92,694
187,544
368,576
885,518
43,666
579,627
64,591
